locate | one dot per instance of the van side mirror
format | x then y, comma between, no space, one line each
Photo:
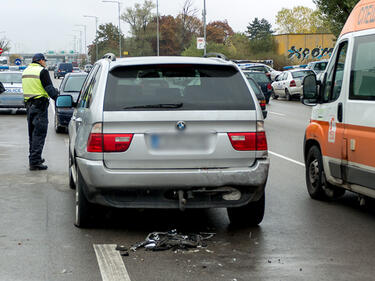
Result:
64,101
310,90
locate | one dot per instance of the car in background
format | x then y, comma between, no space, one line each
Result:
13,95
262,80
71,85
269,71
260,96
318,66
62,69
51,67
167,132
289,83
76,69
87,68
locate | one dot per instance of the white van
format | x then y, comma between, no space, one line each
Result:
339,145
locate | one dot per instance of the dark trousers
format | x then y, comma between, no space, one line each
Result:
37,119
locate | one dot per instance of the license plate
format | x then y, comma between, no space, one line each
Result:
179,142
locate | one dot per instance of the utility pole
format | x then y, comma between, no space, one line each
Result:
204,26
96,34
84,28
80,40
157,26
119,24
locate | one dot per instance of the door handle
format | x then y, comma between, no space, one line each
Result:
339,112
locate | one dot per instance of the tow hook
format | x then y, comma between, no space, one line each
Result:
181,200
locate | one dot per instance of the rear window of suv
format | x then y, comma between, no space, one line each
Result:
177,87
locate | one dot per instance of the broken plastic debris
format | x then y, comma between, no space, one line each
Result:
159,241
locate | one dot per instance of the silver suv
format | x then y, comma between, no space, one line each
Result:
167,132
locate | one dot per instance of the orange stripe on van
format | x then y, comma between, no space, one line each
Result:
361,18
360,138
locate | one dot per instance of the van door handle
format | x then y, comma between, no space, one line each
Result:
339,112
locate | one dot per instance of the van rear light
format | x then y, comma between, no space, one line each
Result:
269,87
293,83
99,142
262,104
248,141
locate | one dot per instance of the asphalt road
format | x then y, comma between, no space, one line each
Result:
299,238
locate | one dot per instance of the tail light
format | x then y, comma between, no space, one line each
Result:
99,142
59,70
269,87
262,104
293,83
249,141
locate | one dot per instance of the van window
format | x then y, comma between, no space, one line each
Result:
362,77
191,87
335,74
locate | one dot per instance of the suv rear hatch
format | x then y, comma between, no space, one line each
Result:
178,116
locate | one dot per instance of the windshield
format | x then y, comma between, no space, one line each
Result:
258,77
11,77
74,83
194,87
302,73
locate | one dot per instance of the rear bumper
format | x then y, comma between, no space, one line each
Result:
150,188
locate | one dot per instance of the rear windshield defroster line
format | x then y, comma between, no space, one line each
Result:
196,87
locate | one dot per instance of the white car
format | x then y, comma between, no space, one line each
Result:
318,66
289,83
13,95
269,71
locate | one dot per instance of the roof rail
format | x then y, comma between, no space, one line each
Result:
216,55
109,56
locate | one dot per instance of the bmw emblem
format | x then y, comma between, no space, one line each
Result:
180,125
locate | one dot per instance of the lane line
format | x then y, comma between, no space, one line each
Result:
110,263
279,114
287,158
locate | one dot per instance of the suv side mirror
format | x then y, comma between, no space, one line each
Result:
64,101
310,90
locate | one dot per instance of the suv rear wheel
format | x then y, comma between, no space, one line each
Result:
249,215
316,182
83,206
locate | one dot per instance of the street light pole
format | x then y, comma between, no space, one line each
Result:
119,24
96,33
157,26
80,40
204,26
84,28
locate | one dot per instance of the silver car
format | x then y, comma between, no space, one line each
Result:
13,95
168,132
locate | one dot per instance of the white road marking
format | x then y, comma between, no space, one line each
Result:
110,263
287,158
279,114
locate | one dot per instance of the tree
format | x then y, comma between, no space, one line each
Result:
259,29
300,19
169,43
335,12
219,32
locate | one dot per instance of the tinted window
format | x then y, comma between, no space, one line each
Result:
74,83
362,86
194,87
258,77
321,66
11,77
256,89
66,66
301,74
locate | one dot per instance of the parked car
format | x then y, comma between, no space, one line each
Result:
339,141
87,68
71,85
263,81
51,67
167,132
269,71
260,96
317,66
76,69
62,68
289,83
13,95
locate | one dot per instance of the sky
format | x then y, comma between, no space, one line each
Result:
41,25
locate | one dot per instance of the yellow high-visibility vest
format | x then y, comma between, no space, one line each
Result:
31,84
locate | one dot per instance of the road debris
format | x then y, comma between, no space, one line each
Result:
160,241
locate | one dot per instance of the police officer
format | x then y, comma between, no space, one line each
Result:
37,89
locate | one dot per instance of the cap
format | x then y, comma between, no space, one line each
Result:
38,57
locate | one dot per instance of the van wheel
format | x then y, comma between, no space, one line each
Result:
83,206
316,182
249,215
287,95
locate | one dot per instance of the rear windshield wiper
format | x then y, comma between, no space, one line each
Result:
160,105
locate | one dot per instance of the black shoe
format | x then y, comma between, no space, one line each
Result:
42,161
38,167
